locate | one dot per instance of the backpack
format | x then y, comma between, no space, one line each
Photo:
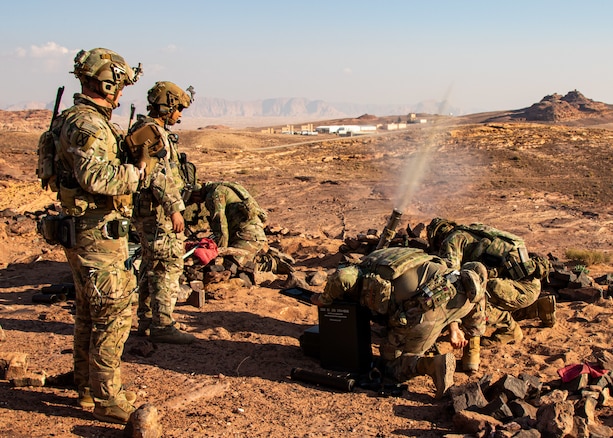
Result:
48,144
505,250
390,263
382,266
249,207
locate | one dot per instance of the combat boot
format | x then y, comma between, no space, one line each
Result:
144,327
85,398
507,336
546,307
441,368
170,335
543,308
471,358
118,414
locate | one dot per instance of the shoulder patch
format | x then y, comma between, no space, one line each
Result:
85,135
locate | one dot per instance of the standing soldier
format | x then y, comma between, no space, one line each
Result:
157,213
95,190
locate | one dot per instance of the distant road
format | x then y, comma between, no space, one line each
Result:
341,139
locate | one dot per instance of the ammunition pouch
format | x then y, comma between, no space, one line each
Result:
58,230
123,204
376,293
75,200
145,142
437,292
513,260
143,203
519,267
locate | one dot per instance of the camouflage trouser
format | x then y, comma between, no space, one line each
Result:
507,294
251,238
500,319
406,344
160,270
104,289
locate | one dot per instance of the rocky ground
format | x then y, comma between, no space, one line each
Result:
549,183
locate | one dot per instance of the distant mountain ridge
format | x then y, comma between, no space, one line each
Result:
290,107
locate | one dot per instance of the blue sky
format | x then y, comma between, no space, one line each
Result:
481,55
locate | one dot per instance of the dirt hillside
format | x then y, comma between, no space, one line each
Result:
548,182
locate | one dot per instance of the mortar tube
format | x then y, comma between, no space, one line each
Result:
324,379
390,229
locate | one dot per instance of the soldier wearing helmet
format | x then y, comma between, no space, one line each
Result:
418,296
96,184
514,274
104,73
158,208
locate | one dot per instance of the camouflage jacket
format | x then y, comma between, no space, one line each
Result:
95,179
164,183
459,247
229,214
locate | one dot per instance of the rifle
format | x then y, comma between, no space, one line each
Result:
56,106
132,110
45,169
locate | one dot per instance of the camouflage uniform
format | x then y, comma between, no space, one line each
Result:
93,179
504,294
235,218
461,246
162,248
412,330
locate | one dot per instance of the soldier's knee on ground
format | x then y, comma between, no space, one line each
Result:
507,335
441,369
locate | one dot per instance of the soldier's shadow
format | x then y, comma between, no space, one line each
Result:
34,274
237,344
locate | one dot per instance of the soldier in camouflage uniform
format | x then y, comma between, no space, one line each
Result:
237,221
508,290
157,213
419,297
95,189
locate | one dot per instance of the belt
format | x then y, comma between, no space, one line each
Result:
113,229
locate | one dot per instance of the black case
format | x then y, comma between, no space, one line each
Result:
344,337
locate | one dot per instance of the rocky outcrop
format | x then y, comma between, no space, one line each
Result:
558,108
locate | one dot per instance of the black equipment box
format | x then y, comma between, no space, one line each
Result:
344,337
309,342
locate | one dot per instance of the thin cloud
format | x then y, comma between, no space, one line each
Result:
48,50
348,71
170,48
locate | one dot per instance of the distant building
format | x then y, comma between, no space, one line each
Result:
395,126
346,129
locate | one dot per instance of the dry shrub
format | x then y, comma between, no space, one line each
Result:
587,257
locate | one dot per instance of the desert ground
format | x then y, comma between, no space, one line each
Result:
548,182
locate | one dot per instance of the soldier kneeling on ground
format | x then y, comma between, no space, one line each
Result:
417,296
237,222
514,275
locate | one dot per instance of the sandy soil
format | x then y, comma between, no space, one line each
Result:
550,184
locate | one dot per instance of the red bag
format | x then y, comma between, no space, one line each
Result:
205,250
570,372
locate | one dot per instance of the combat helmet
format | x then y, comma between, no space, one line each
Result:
343,283
105,72
473,278
437,230
165,97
